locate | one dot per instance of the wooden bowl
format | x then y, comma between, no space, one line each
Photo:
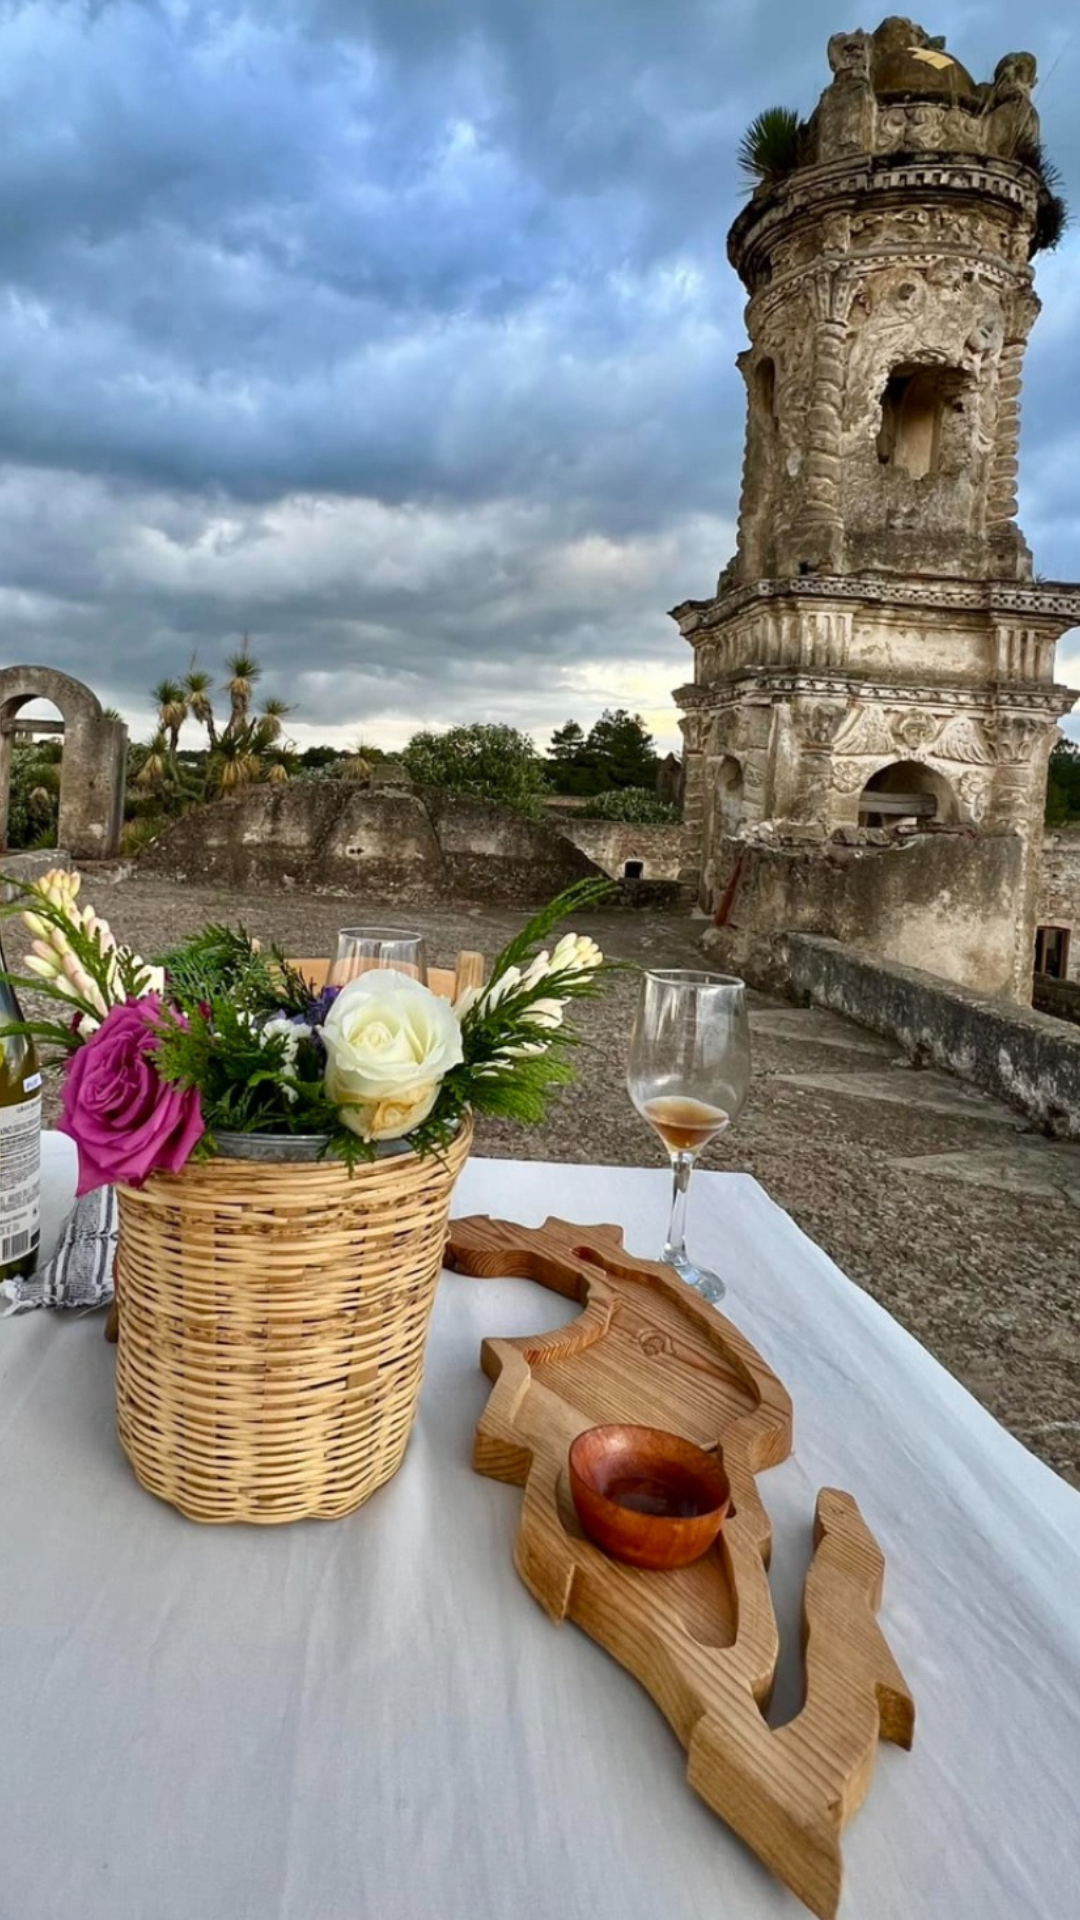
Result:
647,1497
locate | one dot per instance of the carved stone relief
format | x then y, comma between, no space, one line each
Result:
914,731
1017,736
850,776
965,739
974,791
818,725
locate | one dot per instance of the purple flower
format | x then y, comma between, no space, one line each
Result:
312,1019
319,1008
126,1122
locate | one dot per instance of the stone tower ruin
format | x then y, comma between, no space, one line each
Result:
878,650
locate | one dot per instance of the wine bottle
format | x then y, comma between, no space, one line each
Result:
20,1140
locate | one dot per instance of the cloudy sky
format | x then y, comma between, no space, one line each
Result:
400,334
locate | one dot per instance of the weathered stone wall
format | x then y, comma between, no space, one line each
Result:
610,844
1059,892
25,867
92,768
332,837
1059,997
1028,1059
938,901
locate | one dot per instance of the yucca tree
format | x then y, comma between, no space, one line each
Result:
197,689
772,146
273,713
172,710
277,772
244,670
235,762
155,766
356,765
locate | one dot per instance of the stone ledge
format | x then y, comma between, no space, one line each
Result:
1057,601
1028,1059
31,866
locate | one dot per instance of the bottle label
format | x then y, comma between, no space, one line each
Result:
20,1179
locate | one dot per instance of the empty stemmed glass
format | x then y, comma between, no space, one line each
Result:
362,949
688,1073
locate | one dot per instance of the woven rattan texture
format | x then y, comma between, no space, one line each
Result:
272,1329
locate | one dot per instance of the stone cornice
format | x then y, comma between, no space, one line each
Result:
1057,603
779,683
864,179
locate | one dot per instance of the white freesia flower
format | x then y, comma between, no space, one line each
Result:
466,1001
506,983
544,1013
52,958
575,953
536,969
389,1042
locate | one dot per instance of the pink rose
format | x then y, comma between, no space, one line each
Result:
126,1122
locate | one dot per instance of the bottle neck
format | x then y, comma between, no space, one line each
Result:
9,1001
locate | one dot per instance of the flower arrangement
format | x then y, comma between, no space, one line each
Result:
221,1037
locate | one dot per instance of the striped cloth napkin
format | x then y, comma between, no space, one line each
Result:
79,1274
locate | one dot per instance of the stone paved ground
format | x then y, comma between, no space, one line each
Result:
960,1221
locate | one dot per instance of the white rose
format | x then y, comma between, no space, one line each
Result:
389,1042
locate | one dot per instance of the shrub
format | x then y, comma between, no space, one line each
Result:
638,806
491,763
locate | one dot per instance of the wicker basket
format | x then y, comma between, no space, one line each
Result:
272,1329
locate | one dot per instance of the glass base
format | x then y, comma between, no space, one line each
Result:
702,1279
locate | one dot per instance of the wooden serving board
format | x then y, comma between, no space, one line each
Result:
703,1639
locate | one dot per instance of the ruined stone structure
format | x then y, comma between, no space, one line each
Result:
1057,944
92,768
878,646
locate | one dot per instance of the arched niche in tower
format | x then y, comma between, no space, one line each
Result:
916,405
728,796
907,791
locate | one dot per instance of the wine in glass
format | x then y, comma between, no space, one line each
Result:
364,949
688,1073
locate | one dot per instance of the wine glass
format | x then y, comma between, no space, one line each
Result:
687,1073
363,949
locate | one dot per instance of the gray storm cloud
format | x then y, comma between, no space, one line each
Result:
401,335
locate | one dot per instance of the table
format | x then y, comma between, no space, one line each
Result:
370,1719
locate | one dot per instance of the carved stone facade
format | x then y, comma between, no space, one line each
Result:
879,626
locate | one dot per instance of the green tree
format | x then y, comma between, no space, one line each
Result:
623,750
34,797
569,764
479,762
1063,785
567,744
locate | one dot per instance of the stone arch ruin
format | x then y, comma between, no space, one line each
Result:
92,770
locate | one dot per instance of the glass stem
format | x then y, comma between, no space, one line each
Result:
682,1166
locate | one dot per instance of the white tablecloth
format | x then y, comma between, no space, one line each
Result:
371,1719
